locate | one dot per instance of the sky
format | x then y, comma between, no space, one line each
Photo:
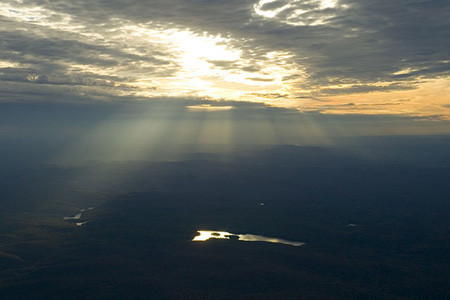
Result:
366,66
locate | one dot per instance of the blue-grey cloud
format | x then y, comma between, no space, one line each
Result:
354,43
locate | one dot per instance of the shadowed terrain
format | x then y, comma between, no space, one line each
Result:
371,229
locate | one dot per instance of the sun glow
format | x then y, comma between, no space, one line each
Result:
8,64
210,66
167,61
208,107
157,59
195,51
429,98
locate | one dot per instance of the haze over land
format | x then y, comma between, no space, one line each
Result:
125,81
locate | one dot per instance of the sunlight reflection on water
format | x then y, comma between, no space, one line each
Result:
76,217
205,235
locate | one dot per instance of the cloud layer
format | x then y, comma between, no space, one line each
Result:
305,54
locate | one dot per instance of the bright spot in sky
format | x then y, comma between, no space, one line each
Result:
405,71
208,107
171,61
328,4
211,66
155,59
196,50
296,12
269,13
8,64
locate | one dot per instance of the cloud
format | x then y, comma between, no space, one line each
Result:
238,49
209,107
